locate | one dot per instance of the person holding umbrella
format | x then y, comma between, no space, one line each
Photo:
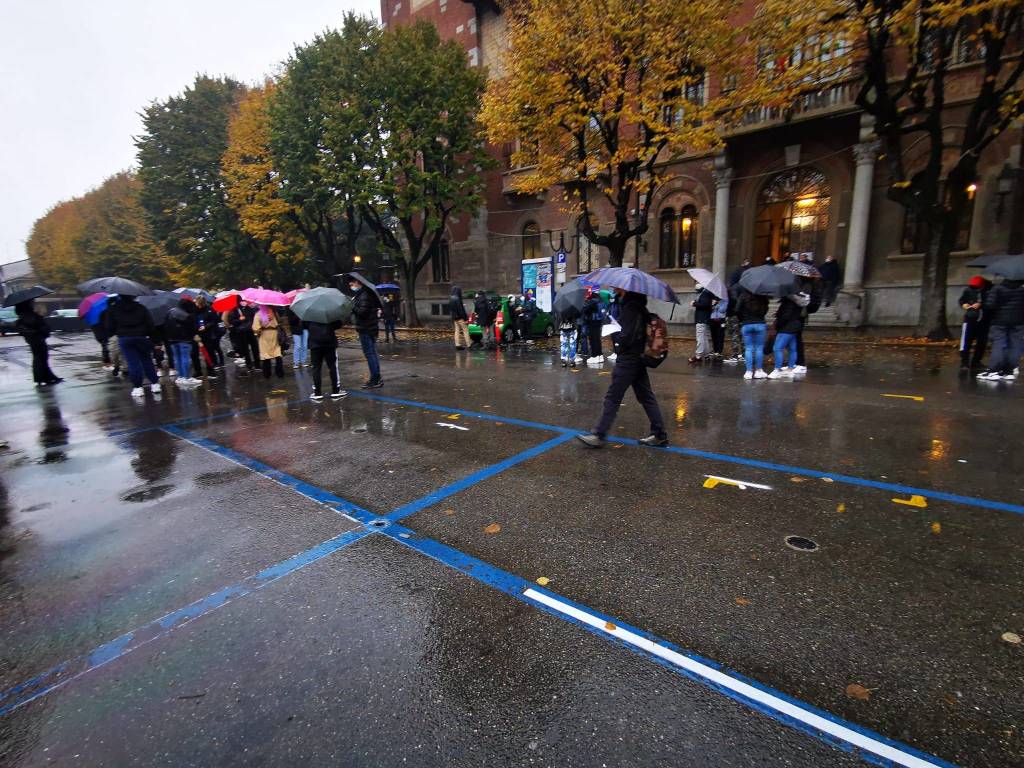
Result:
1005,307
35,330
133,326
321,312
366,306
632,286
266,325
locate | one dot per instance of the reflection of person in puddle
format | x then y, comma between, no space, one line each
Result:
54,433
155,454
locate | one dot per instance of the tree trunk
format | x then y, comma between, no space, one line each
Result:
932,315
412,318
616,252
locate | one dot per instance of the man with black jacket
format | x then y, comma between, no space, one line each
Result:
485,315
323,350
133,326
1005,305
630,371
239,323
974,332
35,330
365,313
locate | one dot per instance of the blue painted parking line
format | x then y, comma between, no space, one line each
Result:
835,731
70,670
449,490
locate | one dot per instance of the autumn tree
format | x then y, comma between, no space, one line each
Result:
51,246
254,191
183,191
426,153
318,139
908,57
599,104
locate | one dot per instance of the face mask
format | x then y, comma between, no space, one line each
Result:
354,286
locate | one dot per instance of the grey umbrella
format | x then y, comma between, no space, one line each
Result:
1010,267
769,280
159,305
322,305
121,285
359,278
570,298
26,294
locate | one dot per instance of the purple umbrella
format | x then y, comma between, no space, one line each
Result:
629,279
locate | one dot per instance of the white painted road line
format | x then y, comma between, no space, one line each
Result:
716,677
451,426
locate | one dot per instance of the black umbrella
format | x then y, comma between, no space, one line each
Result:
1010,267
121,285
26,294
570,298
159,305
769,280
359,278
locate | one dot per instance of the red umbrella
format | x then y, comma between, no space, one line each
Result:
225,301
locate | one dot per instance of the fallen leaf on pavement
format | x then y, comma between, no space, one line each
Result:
841,507
857,691
453,416
543,581
449,511
950,698
742,601
827,480
936,527
609,626
1011,637
492,528
798,479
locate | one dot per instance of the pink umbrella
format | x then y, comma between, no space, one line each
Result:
266,296
292,294
88,302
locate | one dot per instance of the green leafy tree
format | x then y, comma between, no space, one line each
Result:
183,190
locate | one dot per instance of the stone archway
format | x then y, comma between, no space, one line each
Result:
792,215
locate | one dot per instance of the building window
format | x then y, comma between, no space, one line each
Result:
588,257
531,242
667,239
439,262
792,216
677,238
916,232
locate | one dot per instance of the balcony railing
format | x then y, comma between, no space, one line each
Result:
833,98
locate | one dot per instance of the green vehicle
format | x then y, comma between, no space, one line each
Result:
543,324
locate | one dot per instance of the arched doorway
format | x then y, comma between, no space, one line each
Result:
792,216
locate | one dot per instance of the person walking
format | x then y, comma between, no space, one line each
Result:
300,340
1005,305
389,316
702,306
323,350
35,330
975,328
460,320
630,371
365,317
266,326
180,329
593,321
133,326
485,315
831,274
750,311
788,324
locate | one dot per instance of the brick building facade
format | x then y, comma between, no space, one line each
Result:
805,185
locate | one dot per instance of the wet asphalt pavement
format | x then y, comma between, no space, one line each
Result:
438,574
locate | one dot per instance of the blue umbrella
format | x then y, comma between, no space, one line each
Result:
629,279
92,316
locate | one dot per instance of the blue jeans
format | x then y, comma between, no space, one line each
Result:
182,351
137,352
1007,344
368,341
300,347
783,342
753,345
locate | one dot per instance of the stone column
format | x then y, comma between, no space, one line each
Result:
723,180
860,215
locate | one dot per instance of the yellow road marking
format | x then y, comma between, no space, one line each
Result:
915,398
913,501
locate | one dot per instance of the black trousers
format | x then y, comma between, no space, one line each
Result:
717,328
319,357
594,334
41,373
973,334
629,372
800,348
245,344
278,367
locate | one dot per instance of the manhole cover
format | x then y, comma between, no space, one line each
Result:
801,543
379,523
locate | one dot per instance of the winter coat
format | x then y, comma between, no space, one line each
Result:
126,318
1005,303
751,309
364,312
484,311
973,296
456,307
633,317
237,321
32,326
389,311
790,316
181,325
208,323
702,306
830,272
294,324
323,335
266,332
592,314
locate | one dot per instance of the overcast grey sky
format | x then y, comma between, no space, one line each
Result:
76,74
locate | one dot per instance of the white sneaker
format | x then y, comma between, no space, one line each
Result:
748,375
597,359
296,367
155,389
613,357
194,382
799,369
987,376
578,359
776,374
108,367
172,373
1008,376
760,374
138,392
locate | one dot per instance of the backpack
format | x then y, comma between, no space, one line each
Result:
656,347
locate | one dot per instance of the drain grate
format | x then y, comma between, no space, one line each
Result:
378,523
801,543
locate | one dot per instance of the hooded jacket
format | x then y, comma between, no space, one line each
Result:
456,308
127,318
180,326
703,305
790,316
484,311
322,335
1005,303
750,308
633,317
